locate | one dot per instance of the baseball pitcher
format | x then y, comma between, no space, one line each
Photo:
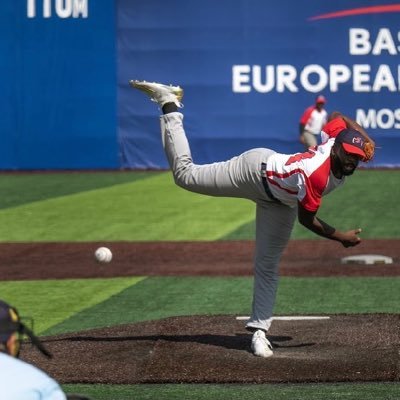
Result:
282,186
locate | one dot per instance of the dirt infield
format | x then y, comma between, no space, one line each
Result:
233,258
212,348
215,349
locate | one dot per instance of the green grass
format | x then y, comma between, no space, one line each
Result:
141,206
49,302
159,297
338,295
145,209
349,391
74,305
28,188
125,206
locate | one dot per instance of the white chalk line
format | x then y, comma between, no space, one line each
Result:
288,318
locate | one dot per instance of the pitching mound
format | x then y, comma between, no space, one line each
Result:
216,349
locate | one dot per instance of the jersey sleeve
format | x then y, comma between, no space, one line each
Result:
314,185
311,199
306,115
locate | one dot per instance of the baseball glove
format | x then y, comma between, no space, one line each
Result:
369,150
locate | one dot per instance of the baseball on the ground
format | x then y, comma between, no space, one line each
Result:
103,255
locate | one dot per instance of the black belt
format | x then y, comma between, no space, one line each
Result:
266,186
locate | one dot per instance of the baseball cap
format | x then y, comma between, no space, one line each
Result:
320,99
10,323
352,142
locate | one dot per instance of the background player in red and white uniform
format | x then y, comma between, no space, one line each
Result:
282,186
312,121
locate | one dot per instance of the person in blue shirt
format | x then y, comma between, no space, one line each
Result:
18,379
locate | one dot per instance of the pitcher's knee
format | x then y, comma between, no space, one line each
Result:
179,181
182,178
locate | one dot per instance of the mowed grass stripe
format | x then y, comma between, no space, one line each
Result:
50,302
160,297
129,207
338,295
31,187
351,391
144,210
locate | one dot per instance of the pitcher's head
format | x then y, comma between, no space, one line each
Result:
348,151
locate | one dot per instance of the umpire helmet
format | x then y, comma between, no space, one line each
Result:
11,324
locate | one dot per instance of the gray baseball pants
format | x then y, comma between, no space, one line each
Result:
238,177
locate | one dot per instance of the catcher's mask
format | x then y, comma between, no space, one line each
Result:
11,324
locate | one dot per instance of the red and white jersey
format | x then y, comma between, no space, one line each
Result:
314,119
305,177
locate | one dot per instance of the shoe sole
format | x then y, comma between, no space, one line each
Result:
145,87
262,352
264,355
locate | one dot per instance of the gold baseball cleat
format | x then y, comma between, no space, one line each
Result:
160,93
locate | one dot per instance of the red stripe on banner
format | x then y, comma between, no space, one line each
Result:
389,8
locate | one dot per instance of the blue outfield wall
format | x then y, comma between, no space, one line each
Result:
58,79
249,68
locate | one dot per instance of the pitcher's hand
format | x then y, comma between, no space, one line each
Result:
350,238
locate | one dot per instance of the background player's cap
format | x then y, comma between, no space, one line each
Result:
320,99
352,142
